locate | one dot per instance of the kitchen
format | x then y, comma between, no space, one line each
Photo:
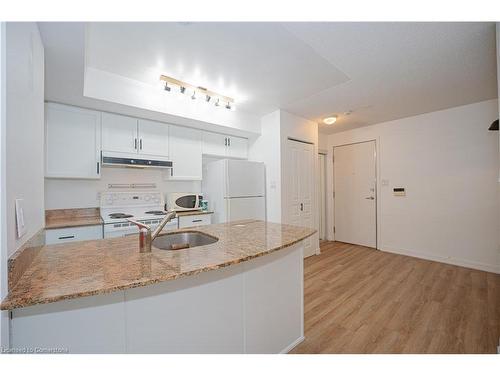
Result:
139,194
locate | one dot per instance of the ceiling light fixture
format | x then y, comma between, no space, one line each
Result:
216,98
330,120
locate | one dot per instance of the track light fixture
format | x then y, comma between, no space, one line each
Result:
209,96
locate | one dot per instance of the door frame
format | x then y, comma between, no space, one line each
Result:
325,193
375,156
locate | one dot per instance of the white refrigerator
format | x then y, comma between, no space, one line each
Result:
235,190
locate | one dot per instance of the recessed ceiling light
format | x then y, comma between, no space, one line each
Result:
330,120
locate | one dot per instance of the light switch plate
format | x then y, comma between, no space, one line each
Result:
21,226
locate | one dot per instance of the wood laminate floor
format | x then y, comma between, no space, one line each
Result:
361,300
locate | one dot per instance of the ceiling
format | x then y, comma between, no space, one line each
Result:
379,71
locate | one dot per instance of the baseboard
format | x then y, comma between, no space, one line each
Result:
292,345
448,260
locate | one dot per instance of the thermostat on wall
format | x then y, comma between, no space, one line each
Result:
399,191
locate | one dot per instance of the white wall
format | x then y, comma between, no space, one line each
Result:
267,148
69,193
4,320
113,88
448,163
25,129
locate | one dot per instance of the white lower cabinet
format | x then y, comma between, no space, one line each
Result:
62,235
251,307
194,220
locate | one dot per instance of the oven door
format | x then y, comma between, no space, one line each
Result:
129,229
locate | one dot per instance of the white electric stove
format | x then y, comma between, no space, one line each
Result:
145,207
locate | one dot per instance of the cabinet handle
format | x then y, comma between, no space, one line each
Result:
225,141
172,172
97,167
135,143
140,144
196,221
229,141
66,237
302,206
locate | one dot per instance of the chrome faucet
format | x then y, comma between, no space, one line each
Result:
145,235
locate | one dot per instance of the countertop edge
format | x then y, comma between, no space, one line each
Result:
12,305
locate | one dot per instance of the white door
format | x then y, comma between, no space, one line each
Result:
246,208
72,142
214,144
245,178
119,133
185,153
299,186
237,147
153,138
355,199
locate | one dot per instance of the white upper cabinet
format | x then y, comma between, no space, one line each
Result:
225,146
72,142
214,144
119,133
237,147
185,153
153,138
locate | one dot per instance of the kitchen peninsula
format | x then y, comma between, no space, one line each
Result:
104,296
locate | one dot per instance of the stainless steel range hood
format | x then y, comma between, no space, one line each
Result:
134,160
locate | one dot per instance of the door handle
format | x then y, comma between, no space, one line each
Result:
370,198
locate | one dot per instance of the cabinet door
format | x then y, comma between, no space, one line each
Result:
72,142
194,220
214,144
185,153
153,138
237,147
119,133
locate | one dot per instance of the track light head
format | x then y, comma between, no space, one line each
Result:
182,89
207,98
167,87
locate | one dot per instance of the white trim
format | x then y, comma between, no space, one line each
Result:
293,345
448,260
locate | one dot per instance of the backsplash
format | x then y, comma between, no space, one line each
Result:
69,193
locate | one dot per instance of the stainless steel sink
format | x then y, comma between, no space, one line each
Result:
182,240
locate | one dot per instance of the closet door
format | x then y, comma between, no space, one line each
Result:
298,186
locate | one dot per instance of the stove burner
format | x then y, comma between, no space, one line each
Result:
155,212
119,215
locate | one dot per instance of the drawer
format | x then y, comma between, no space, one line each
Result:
62,235
194,220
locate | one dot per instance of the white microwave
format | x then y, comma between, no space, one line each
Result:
184,201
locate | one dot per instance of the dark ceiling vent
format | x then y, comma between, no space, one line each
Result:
494,125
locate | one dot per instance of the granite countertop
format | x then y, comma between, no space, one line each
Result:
73,217
79,269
